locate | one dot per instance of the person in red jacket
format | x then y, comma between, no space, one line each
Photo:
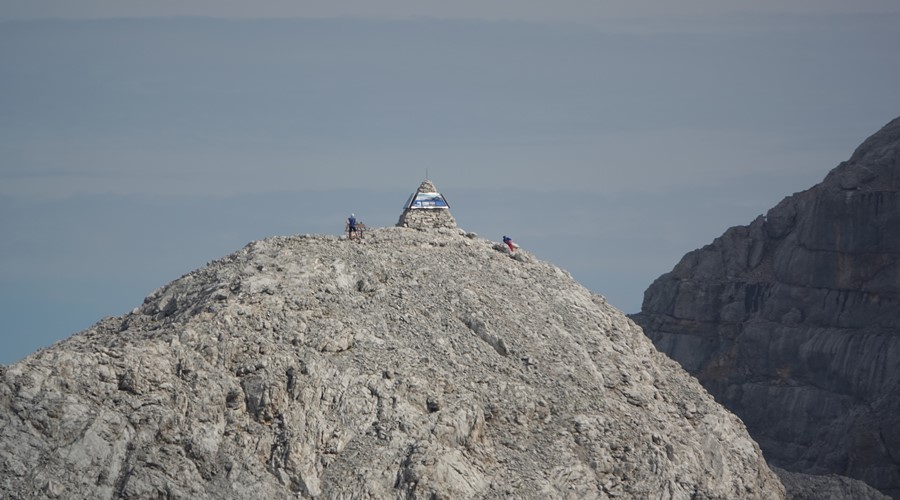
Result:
509,242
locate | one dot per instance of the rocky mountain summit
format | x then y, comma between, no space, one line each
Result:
793,322
409,364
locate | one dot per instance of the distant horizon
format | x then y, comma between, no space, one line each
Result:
135,150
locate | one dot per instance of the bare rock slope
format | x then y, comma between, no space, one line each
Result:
793,322
411,364
826,487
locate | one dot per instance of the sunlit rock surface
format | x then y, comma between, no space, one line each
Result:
408,364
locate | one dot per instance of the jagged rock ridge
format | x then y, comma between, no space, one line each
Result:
793,322
410,364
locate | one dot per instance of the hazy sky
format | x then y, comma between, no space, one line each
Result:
139,140
582,11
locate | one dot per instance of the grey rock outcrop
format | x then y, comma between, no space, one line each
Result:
410,364
828,487
793,322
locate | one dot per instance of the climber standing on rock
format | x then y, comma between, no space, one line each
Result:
351,226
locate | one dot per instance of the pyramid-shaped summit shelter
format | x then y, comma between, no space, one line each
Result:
426,208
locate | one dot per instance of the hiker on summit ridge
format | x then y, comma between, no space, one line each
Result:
509,242
351,226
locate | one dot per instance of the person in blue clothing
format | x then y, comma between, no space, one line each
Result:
509,242
351,226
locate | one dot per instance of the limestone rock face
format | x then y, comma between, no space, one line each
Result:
410,364
793,322
826,487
